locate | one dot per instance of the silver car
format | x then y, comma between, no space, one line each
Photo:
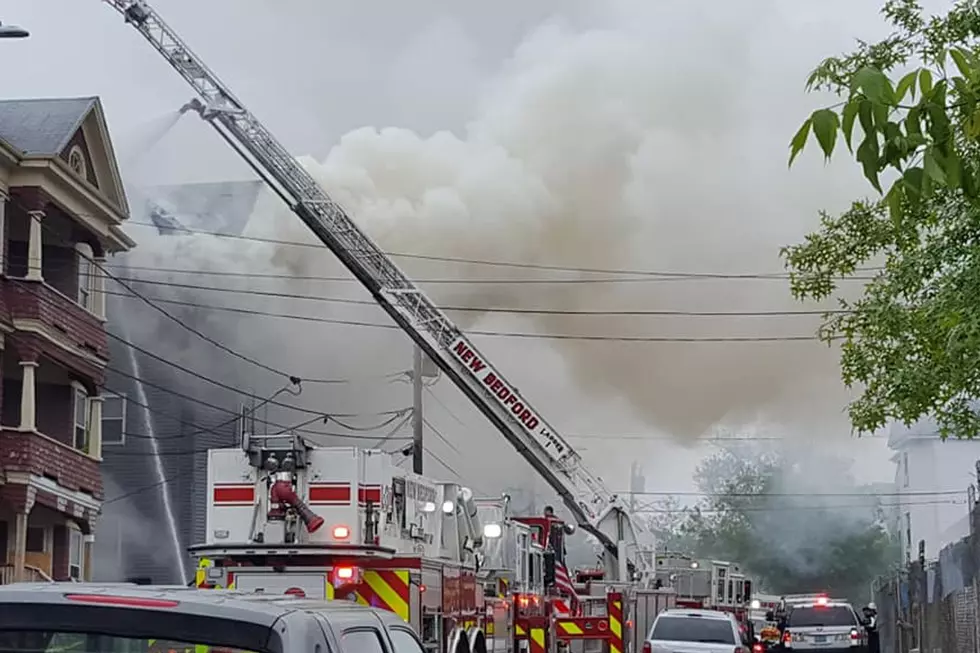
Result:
824,625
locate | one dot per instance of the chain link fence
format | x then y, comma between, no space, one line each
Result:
933,607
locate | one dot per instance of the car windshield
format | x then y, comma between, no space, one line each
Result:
835,615
693,629
23,641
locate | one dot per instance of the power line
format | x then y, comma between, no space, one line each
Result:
292,378
492,309
727,495
477,332
501,264
230,388
715,511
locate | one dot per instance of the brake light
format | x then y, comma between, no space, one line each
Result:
647,647
787,638
344,573
855,634
129,601
341,532
757,648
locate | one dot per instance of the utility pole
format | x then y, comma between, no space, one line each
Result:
417,422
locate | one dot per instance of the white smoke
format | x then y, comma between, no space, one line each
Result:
656,139
582,156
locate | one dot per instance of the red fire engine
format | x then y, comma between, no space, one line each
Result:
465,574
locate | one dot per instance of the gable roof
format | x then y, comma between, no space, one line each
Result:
42,126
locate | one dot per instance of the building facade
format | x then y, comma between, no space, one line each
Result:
931,477
62,207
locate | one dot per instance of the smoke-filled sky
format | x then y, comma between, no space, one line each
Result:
600,134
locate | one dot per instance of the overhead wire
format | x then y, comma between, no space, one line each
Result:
493,309
295,380
492,263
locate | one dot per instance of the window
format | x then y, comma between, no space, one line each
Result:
76,554
113,419
362,641
836,615
707,630
76,161
908,533
81,419
86,272
36,537
905,469
404,641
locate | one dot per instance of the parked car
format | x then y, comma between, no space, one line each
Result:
695,631
122,618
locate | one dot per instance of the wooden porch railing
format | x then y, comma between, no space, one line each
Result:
32,573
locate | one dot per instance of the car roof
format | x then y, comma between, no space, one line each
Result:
828,604
703,614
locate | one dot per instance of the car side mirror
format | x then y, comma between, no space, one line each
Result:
770,616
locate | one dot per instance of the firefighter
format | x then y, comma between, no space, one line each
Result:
871,626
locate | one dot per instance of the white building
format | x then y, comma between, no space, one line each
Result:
932,477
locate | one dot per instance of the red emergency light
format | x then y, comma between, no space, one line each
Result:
341,532
344,573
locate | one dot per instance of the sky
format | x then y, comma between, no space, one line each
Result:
616,134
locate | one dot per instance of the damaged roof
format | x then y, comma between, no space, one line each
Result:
42,126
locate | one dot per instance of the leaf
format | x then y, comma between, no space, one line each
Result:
932,163
894,198
799,140
867,156
954,171
906,84
874,84
913,179
825,125
925,81
959,58
866,114
847,122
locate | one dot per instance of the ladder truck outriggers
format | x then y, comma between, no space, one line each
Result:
594,508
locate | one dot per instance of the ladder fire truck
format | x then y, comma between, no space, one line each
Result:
706,584
594,508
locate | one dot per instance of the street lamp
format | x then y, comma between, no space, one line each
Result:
13,32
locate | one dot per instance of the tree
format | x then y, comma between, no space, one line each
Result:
909,112
763,511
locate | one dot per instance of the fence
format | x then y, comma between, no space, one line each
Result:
934,607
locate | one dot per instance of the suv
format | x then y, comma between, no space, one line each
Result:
823,624
695,631
119,618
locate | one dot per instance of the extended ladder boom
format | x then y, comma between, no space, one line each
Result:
596,509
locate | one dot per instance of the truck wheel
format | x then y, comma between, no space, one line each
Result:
458,642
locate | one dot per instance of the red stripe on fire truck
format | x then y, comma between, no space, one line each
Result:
233,494
329,494
370,493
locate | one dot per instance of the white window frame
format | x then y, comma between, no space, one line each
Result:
123,401
78,155
86,274
80,394
76,553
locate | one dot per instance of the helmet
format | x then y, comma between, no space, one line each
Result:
872,606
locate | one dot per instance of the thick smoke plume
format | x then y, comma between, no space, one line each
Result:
584,155
618,147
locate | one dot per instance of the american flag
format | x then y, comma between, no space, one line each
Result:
564,584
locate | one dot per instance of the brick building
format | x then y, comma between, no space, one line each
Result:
62,205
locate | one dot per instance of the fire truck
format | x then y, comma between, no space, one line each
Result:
465,573
706,584
603,514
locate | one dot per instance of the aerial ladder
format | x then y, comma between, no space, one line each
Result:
597,511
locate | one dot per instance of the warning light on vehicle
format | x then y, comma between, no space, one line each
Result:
295,591
821,600
421,589
341,532
344,573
